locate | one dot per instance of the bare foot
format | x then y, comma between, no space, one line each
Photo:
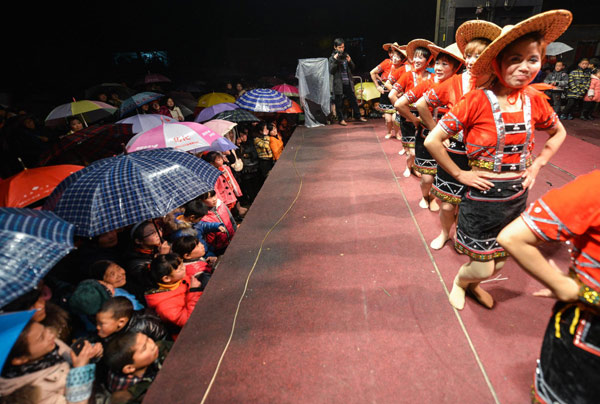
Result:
457,296
423,204
433,205
389,135
438,242
401,152
406,172
481,295
399,137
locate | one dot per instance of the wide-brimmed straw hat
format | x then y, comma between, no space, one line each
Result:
450,50
417,43
398,48
550,24
475,29
386,46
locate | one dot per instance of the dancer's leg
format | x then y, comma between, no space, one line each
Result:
427,199
479,293
447,219
471,272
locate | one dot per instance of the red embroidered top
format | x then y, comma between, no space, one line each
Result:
424,88
447,93
496,140
395,74
384,68
410,79
571,213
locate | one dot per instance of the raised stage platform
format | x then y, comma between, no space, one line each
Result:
329,293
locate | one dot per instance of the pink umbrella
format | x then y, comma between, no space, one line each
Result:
220,126
286,89
187,136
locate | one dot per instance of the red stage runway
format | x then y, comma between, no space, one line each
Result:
329,292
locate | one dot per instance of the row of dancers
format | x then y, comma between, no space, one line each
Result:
469,138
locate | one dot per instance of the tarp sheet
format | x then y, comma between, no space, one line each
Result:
314,89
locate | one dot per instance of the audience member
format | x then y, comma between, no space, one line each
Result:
117,316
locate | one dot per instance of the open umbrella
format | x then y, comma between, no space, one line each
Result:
154,78
31,243
210,99
294,109
220,126
144,122
89,144
287,90
187,136
11,325
119,191
366,91
264,100
89,111
237,115
557,48
33,184
209,112
137,101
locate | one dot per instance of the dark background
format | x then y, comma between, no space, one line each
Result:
57,51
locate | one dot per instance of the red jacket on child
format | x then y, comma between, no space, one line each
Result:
174,305
227,188
222,214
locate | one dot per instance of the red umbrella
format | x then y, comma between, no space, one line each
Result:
288,90
33,184
89,144
294,109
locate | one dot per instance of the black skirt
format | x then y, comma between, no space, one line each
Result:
385,105
568,370
482,214
424,162
445,186
408,131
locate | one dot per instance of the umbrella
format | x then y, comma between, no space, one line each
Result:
287,90
209,112
294,109
11,325
144,122
210,99
220,126
187,136
33,184
89,144
222,144
237,115
556,48
366,91
264,100
119,191
108,88
90,111
31,243
137,100
154,78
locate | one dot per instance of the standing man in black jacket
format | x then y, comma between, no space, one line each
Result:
340,67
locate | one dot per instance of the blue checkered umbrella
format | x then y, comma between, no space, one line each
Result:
137,100
31,243
264,100
119,191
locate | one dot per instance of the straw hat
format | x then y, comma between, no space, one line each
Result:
398,48
417,43
450,50
550,24
475,29
386,46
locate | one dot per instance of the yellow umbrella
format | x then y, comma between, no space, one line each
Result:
208,100
366,91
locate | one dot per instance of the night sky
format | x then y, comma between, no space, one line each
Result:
72,48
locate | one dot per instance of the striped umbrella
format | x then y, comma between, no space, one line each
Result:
90,111
287,90
119,191
237,115
137,100
264,100
31,243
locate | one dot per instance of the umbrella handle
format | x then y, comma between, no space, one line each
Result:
157,231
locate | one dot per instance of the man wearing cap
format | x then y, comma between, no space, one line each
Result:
340,68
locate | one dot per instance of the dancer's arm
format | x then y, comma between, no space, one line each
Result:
425,114
557,137
518,239
402,106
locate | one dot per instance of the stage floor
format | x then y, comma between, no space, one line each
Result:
329,292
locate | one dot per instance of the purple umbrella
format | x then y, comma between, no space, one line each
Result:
208,113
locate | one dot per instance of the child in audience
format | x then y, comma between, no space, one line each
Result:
227,188
133,360
175,294
117,317
192,251
113,274
218,212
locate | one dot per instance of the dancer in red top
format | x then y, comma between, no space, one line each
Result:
498,121
447,63
420,57
569,366
379,75
472,37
